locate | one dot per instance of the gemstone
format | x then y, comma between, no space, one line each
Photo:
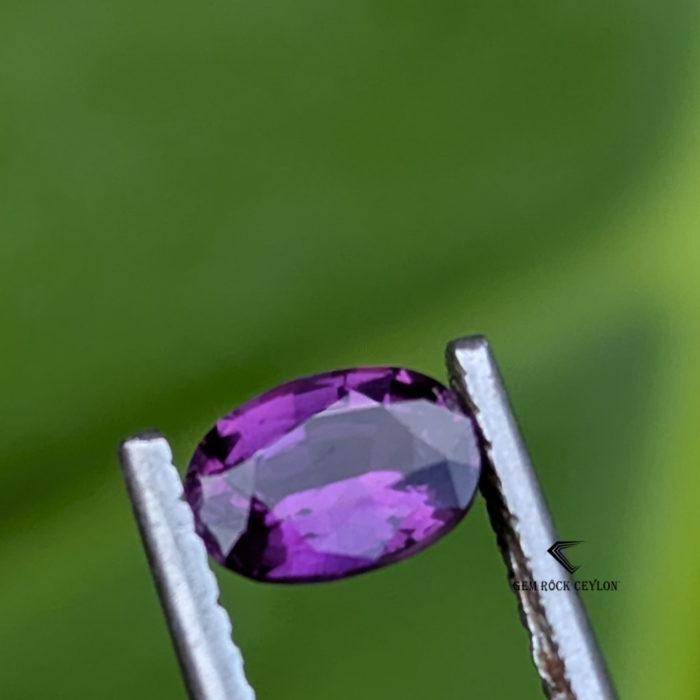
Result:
333,475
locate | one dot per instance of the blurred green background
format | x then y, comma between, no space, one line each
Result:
199,200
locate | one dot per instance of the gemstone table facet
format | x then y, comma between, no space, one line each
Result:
329,476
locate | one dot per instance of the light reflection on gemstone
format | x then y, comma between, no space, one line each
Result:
333,475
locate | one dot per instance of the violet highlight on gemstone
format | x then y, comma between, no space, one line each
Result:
333,475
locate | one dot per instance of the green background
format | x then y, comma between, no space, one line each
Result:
199,200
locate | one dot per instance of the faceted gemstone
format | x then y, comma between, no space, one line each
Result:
333,475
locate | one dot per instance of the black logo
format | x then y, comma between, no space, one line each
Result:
556,551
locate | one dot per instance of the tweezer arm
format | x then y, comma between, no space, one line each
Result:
563,647
201,630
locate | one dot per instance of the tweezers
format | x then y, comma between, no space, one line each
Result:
562,643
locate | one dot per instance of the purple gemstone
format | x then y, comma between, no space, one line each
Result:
329,476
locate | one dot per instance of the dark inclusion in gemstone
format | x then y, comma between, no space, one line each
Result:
333,475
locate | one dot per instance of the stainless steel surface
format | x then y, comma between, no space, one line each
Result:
563,647
201,630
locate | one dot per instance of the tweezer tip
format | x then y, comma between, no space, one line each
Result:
469,342
144,436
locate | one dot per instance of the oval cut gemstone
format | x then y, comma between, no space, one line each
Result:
333,475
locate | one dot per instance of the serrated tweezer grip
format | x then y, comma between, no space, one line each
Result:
563,646
211,663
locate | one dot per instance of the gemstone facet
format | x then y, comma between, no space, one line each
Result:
333,475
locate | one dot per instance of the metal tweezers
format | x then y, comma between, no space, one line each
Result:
563,646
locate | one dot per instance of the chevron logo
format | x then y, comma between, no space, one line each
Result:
556,550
